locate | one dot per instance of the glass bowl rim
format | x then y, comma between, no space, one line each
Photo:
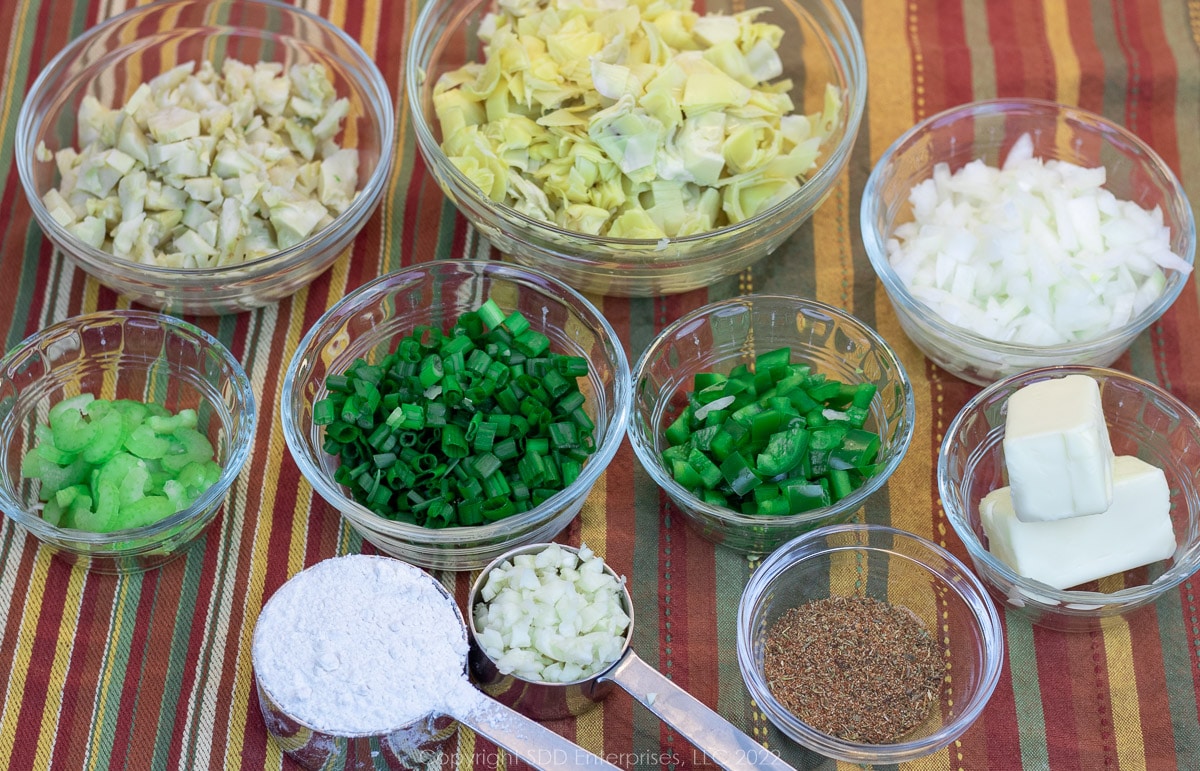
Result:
1121,600
970,591
876,249
369,78
241,437
643,448
456,537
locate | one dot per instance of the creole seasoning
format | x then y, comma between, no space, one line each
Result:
854,667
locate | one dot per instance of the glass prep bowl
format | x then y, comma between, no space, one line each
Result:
1143,420
722,335
123,355
368,322
110,60
820,45
986,130
903,570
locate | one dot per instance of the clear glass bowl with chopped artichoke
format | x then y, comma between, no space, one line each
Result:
206,156
636,146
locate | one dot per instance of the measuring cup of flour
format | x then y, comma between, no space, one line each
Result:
360,662
541,700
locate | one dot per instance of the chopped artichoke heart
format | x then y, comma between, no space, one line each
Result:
189,171
629,118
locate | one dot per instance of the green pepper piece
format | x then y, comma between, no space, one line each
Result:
708,471
839,484
858,449
738,474
805,496
784,452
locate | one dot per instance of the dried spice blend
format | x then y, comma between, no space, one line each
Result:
854,667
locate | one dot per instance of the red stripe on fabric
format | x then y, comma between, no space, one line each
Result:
123,740
192,665
16,217
150,677
37,679
410,238
946,79
1023,64
1054,662
277,548
1150,107
84,671
1089,689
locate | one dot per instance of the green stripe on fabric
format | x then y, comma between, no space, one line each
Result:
1177,616
185,615
447,220
27,284
978,39
733,570
27,280
1031,722
350,541
118,643
648,625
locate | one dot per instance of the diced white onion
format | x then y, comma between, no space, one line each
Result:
1033,253
552,617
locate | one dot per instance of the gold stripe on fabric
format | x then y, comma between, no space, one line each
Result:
896,100
1122,683
56,683
831,247
22,654
466,749
14,74
889,32
1066,63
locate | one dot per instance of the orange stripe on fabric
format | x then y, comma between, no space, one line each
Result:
895,100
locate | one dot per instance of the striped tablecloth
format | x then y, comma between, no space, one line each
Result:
153,671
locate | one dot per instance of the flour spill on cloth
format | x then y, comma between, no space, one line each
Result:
361,645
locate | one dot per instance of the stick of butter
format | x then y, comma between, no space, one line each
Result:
1136,530
1057,451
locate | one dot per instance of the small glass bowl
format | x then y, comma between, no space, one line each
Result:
369,321
112,59
892,566
821,45
1143,420
123,355
722,335
986,130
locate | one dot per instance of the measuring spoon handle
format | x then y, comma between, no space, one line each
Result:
714,735
530,741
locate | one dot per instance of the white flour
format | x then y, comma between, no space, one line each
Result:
362,645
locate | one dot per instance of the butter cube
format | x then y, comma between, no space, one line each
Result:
1057,451
1134,531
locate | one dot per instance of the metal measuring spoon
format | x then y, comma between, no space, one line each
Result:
705,729
419,742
